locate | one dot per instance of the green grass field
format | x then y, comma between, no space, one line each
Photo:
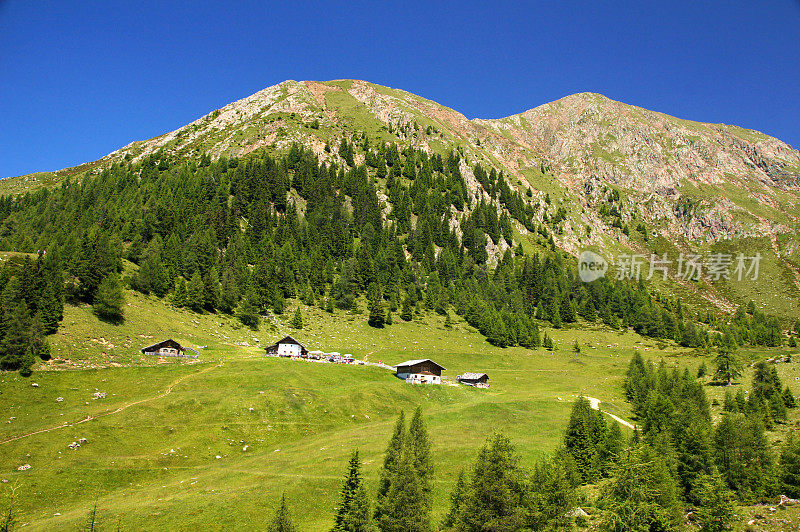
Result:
166,446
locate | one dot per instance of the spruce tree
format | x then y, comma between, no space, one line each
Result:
353,514
377,316
195,292
247,311
297,319
716,508
456,498
420,446
282,521
585,433
14,347
391,460
728,365
789,466
408,309
495,498
403,508
180,296
641,495
109,300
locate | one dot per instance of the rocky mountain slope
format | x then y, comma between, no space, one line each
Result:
734,182
603,168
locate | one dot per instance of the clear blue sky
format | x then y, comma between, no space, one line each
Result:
80,79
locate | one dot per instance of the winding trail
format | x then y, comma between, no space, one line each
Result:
596,405
125,406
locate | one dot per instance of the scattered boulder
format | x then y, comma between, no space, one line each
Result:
59,399
577,512
82,441
24,467
34,385
99,395
787,501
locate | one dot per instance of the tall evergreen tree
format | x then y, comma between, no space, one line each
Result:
716,508
353,514
420,446
789,466
403,508
641,495
495,497
456,498
391,460
297,319
109,300
282,521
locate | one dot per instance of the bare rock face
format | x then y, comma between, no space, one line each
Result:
646,151
584,144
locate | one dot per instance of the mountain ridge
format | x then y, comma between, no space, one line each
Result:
739,182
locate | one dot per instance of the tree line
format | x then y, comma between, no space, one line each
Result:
243,236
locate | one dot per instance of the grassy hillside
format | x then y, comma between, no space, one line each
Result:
151,461
305,417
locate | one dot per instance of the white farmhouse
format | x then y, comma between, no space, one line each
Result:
424,371
288,347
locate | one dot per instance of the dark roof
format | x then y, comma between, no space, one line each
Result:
287,340
168,341
415,362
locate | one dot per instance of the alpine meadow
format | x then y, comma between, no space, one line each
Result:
341,306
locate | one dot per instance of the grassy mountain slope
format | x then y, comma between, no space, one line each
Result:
300,431
150,460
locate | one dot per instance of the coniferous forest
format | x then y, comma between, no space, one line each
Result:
241,236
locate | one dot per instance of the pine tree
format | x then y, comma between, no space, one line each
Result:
282,522
391,460
456,498
788,398
728,365
789,466
377,316
211,289
408,308
716,508
194,292
180,296
14,347
297,319
403,508
585,433
247,311
420,446
51,306
641,495
109,300
353,513
495,498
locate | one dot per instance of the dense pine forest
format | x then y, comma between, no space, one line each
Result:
241,236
